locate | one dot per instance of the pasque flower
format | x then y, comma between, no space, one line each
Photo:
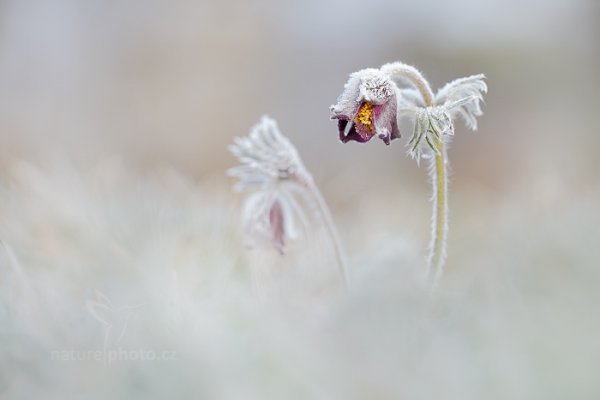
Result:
367,107
272,170
280,184
370,105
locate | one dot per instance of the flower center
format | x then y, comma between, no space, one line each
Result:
365,116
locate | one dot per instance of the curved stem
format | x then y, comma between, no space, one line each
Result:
331,229
413,75
438,173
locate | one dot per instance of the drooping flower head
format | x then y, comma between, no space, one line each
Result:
367,107
281,187
370,105
371,102
272,169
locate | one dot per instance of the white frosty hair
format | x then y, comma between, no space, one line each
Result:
272,168
266,155
462,97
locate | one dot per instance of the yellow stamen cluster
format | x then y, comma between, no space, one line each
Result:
365,115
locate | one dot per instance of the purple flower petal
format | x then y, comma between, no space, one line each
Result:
348,102
356,132
356,135
276,221
367,87
385,120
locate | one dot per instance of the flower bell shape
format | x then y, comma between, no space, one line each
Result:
272,170
368,105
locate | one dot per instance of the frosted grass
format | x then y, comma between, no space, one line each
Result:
515,318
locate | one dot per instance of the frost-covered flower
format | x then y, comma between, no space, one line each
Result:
272,169
280,184
267,158
372,103
369,105
273,214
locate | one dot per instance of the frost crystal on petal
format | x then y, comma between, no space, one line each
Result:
367,108
347,102
375,87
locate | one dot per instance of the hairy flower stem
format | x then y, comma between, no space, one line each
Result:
438,174
330,227
439,223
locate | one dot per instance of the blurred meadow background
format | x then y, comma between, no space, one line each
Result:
114,123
